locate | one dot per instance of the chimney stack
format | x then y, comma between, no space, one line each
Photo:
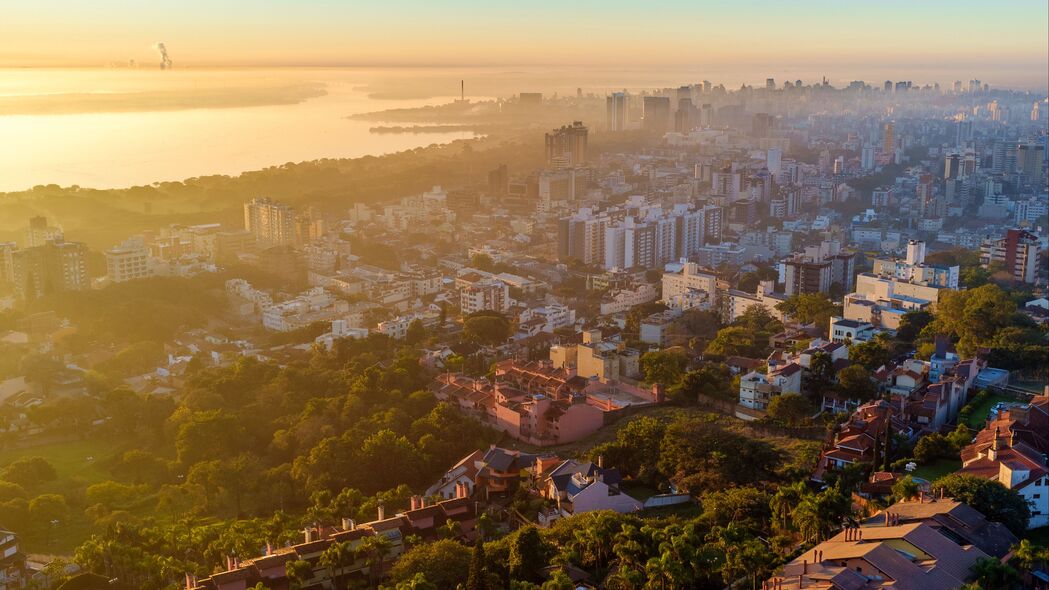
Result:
381,512
348,524
307,535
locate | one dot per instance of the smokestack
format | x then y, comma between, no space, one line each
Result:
165,61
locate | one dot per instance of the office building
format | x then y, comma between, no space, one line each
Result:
888,145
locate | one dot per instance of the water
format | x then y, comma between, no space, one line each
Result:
105,128
155,137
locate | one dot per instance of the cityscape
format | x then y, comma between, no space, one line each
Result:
545,333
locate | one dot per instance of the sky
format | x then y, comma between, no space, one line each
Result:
884,34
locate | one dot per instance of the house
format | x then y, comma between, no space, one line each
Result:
952,518
860,439
1012,450
13,572
577,487
540,404
462,473
421,519
893,556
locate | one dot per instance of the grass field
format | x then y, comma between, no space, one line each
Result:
78,463
937,469
78,460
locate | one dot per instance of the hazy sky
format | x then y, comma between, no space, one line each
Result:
886,33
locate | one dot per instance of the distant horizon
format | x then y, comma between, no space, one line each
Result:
715,74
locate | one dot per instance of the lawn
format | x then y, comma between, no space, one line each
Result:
937,469
78,463
978,418
77,460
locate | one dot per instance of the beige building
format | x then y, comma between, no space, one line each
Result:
607,361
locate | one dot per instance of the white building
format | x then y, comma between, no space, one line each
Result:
623,299
485,295
128,261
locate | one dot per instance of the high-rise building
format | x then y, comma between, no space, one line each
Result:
888,145
51,268
656,117
867,158
1003,157
819,269
616,107
963,132
774,160
762,124
952,165
566,147
273,223
39,232
6,268
1019,251
1029,162
499,180
128,261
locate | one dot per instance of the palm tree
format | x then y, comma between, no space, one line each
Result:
298,573
374,550
785,501
451,529
337,557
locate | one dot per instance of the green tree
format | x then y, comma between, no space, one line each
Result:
527,554
299,572
477,578
905,489
873,354
336,558
712,380
487,329
733,341
46,508
855,382
810,308
416,332
791,409
29,472
992,574
995,501
664,366
444,563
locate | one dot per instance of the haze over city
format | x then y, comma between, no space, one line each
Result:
331,295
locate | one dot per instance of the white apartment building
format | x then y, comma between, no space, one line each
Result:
623,299
128,261
485,295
